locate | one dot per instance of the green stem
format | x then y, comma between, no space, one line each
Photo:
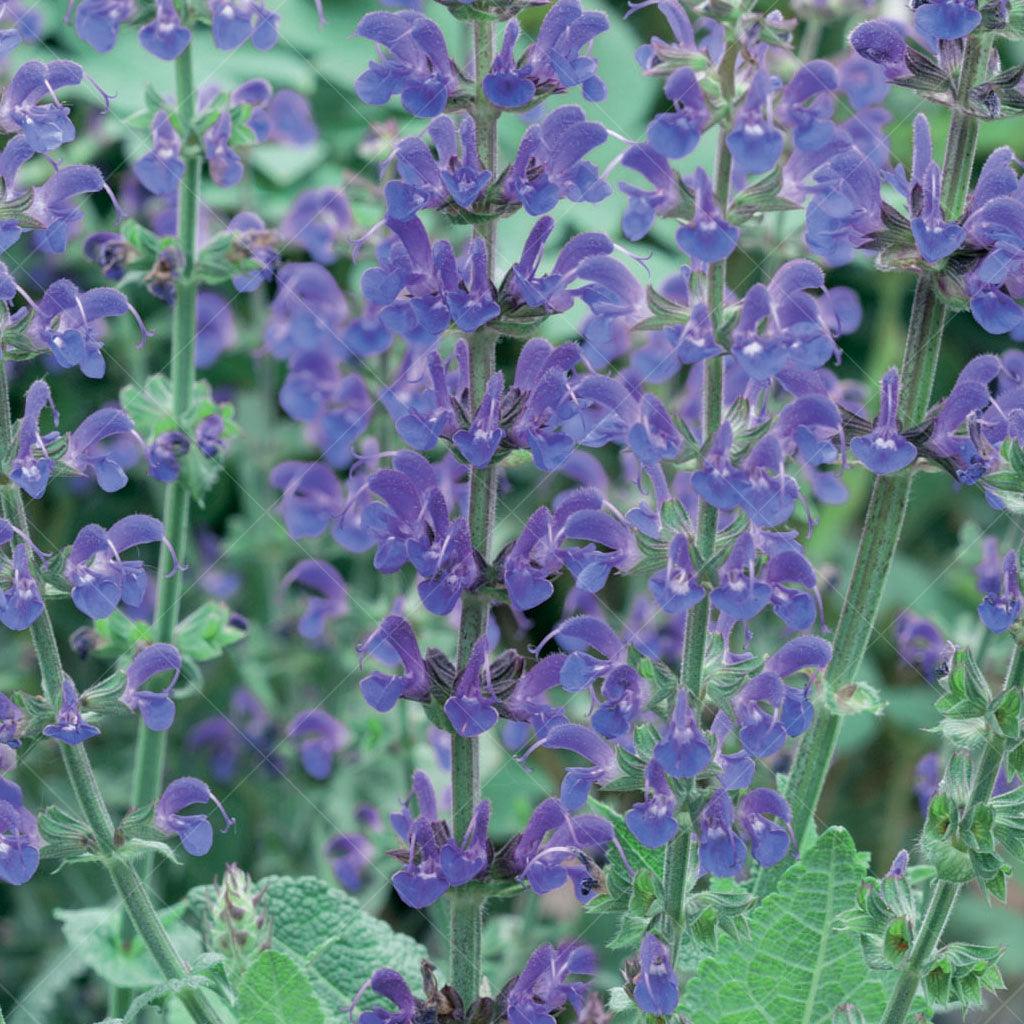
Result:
151,747
944,894
125,877
467,907
887,506
691,666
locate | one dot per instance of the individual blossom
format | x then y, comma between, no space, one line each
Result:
885,450
165,36
936,237
1001,601
350,855
31,465
216,332
21,603
328,595
947,19
12,719
70,727
394,642
883,43
653,821
683,751
645,205
709,237
414,63
30,109
194,830
160,170
675,134
754,141
740,594
470,709
20,841
319,220
577,781
98,21
56,210
246,732
155,706
655,987
920,643
164,455
320,737
235,22
89,453
224,164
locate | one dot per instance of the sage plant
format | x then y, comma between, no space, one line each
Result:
507,453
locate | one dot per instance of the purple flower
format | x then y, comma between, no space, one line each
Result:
164,455
88,454
65,324
70,727
764,816
98,21
469,709
740,595
656,989
247,733
920,643
318,220
677,588
194,830
884,449
1001,603
543,988
646,204
19,842
99,577
11,721
936,237
308,313
390,985
653,820
927,778
394,641
21,603
721,851
808,103
577,781
237,21
549,163
215,328
947,19
224,163
351,856
418,68
754,142
677,133
883,43
709,237
155,706
44,126
31,466
328,595
53,206
320,737
683,750
161,169
165,36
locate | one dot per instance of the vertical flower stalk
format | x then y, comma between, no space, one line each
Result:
890,494
125,878
945,892
677,853
466,905
151,746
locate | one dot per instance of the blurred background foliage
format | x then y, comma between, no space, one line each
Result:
284,819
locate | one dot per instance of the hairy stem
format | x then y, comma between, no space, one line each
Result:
944,894
467,907
126,879
151,747
887,506
691,666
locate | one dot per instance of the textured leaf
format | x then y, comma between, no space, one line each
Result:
275,991
93,940
324,930
795,968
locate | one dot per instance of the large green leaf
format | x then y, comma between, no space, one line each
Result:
795,967
337,944
93,939
275,991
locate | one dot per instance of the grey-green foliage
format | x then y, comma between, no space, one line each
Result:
275,991
325,931
795,967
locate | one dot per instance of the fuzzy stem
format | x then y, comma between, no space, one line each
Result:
691,666
125,877
887,506
151,747
467,907
944,894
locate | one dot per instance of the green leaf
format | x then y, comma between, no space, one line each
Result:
205,633
93,939
275,991
325,931
795,967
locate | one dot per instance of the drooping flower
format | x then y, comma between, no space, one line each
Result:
194,830
543,987
394,641
155,706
